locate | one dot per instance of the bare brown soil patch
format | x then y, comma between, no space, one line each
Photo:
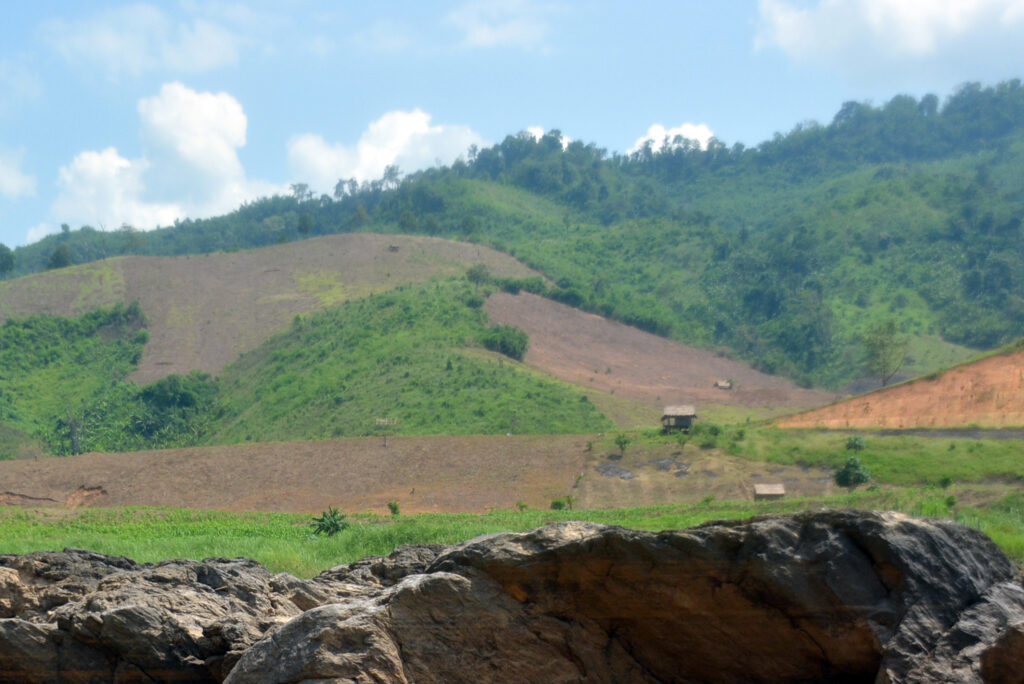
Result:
668,474
986,393
422,474
595,352
205,310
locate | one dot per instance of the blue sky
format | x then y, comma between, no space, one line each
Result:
143,113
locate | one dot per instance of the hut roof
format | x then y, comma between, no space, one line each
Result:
681,410
769,490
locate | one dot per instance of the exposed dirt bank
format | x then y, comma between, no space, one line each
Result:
988,393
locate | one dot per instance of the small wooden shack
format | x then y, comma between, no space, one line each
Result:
675,418
764,492
723,384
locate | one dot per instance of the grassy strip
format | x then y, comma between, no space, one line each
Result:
897,460
283,542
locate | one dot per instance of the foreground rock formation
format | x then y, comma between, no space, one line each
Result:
829,596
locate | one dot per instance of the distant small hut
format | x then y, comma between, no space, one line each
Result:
764,492
723,384
676,418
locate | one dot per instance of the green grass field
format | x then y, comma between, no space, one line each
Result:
284,542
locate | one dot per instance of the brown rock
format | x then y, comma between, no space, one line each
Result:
828,596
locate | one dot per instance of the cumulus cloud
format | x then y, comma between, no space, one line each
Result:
502,23
863,34
193,140
405,138
105,189
136,39
190,166
538,132
657,135
14,182
39,231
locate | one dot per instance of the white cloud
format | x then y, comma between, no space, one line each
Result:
136,39
538,132
190,167
193,139
13,182
658,134
39,231
857,35
500,23
105,189
404,138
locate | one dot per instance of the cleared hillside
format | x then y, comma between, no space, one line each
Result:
985,393
206,310
591,351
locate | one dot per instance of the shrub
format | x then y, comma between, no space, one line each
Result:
330,522
508,340
855,443
852,474
393,507
945,482
622,441
558,504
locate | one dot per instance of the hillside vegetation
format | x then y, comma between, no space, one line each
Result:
416,355
203,311
412,355
784,253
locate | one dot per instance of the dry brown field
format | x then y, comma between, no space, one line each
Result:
471,474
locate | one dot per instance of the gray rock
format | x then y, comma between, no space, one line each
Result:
827,596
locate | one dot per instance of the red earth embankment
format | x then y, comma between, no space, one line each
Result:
985,393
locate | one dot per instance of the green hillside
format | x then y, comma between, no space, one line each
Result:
417,355
413,355
783,254
53,369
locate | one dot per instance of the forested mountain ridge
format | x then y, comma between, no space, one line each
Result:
783,254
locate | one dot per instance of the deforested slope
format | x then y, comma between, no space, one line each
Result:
597,352
984,393
205,310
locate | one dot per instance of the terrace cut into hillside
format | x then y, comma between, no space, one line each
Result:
986,393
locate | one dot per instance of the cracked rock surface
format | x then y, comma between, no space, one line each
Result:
825,596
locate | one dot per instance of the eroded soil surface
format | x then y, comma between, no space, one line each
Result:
586,349
988,393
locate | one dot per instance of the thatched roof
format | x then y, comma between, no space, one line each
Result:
681,410
769,490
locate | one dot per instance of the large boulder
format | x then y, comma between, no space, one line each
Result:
826,596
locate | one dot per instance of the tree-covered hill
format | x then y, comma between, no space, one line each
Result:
784,254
